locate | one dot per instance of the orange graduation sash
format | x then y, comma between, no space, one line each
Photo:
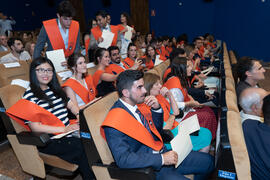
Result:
85,94
121,120
114,68
29,111
56,39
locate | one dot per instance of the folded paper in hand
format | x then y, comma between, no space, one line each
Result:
57,57
107,39
181,143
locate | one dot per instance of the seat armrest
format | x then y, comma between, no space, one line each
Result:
129,174
33,138
166,135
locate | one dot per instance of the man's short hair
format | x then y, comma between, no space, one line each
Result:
266,109
176,52
244,64
11,41
126,79
102,13
65,8
249,99
112,48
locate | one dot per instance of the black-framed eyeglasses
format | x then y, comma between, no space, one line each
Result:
42,71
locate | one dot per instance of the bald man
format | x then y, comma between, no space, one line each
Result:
256,132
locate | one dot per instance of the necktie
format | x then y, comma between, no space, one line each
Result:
144,121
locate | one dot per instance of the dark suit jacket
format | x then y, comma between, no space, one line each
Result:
257,137
43,38
128,152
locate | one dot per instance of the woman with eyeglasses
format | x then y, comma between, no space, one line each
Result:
43,108
79,88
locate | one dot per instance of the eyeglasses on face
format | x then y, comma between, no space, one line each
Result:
42,71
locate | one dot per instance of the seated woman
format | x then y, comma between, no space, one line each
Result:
152,58
177,83
170,111
80,87
43,108
131,61
103,82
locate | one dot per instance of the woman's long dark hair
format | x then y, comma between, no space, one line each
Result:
179,69
53,84
98,54
72,62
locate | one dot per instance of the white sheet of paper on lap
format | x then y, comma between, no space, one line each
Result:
107,39
210,104
189,125
12,65
89,65
57,57
182,145
65,74
210,91
62,134
158,61
20,82
210,85
128,34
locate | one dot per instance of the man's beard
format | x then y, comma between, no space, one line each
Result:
19,51
135,101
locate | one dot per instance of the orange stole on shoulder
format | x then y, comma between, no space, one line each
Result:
56,39
174,82
86,95
29,111
121,120
167,71
96,77
128,63
97,33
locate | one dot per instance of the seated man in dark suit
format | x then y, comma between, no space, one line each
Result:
257,132
249,71
132,132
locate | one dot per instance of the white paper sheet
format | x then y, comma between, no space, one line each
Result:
62,134
107,39
182,145
20,82
11,65
158,61
89,65
128,34
189,125
57,57
207,71
210,91
65,74
210,104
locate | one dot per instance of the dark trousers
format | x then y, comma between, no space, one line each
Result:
197,163
71,150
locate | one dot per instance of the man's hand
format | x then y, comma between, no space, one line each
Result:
170,158
152,102
100,39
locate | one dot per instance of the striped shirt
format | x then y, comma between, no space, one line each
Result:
59,109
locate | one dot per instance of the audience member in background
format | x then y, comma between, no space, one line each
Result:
132,61
3,43
6,25
250,72
170,109
148,38
17,52
109,19
89,53
29,47
144,147
61,33
116,66
80,87
103,81
177,83
254,101
126,26
43,109
152,58
103,26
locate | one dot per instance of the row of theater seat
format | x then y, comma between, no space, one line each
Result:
234,125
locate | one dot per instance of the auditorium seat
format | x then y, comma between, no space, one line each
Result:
3,53
24,143
232,57
161,68
9,74
238,145
92,70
